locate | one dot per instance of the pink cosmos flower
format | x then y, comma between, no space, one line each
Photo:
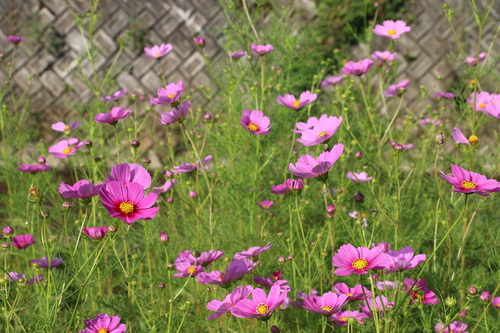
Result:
130,173
359,216
103,323
112,117
65,148
454,327
226,305
387,285
496,302
32,168
187,265
419,292
328,304
357,68
299,296
170,94
472,61
397,89
62,127
289,186
482,100
80,190
391,29
189,167
351,260
266,204
310,124
404,259
357,293
96,232
386,56
237,269
15,39
255,122
460,137
23,241
332,80
361,177
261,49
44,263
157,51
116,95
252,252
13,276
469,182
238,55
127,201
445,95
177,113
309,167
292,103
275,279
342,318
321,132
378,305
206,258
200,41
165,187
260,305
426,121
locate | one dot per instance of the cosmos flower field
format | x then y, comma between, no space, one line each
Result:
321,203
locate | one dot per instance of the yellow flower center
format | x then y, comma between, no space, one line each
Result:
322,133
103,330
326,308
391,32
362,216
343,318
157,54
482,105
127,207
349,294
472,82
66,128
473,140
253,127
191,270
467,184
67,150
296,103
171,95
262,308
360,263
222,276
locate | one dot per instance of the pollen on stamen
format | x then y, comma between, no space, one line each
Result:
127,207
191,270
66,128
262,308
322,133
326,308
467,184
253,127
103,330
391,32
296,103
66,150
473,140
171,95
359,263
157,54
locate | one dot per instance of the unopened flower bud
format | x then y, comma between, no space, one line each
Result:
193,194
146,161
34,195
275,328
207,117
398,147
169,174
164,238
135,143
161,285
439,138
170,267
45,214
170,200
485,296
331,209
358,154
280,234
88,143
66,206
42,160
462,314
359,197
7,231
450,301
5,245
112,228
196,254
290,257
200,41
472,290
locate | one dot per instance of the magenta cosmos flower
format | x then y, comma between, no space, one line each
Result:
237,269
386,56
496,302
224,306
445,95
357,68
96,232
261,49
469,182
397,89
255,122
357,293
342,318
157,51
351,260
261,305
189,167
454,327
165,187
266,204
332,80
23,241
130,173
177,113
62,127
275,279
419,292
252,252
80,190
65,148
238,55
200,41
289,186
361,177
127,201
170,94
311,122
103,323
32,168
112,117
293,103
116,95
404,259
15,39
391,29
13,276
309,167
321,132
328,304
460,137
472,61
187,265
44,263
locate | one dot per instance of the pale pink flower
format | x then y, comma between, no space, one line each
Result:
293,103
116,95
62,127
332,80
309,167
255,122
361,177
391,29
175,114
472,61
321,132
386,56
397,89
169,95
65,148
261,49
238,55
357,68
157,51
